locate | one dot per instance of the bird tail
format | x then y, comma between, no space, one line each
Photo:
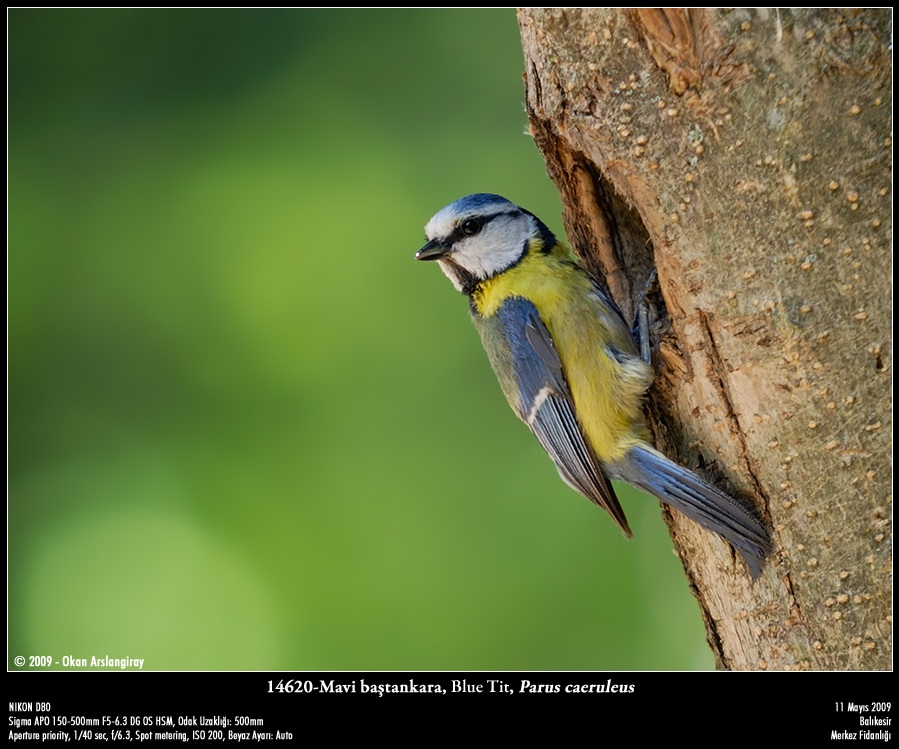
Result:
649,470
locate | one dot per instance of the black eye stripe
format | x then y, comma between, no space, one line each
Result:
459,234
471,226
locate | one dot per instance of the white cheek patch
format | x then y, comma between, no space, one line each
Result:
502,242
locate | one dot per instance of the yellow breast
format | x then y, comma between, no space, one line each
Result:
607,389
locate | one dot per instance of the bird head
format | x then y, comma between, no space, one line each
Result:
479,236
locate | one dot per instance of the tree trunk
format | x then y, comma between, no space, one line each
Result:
745,156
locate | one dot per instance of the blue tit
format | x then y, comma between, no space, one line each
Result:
568,364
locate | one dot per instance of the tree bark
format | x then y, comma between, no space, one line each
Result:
744,155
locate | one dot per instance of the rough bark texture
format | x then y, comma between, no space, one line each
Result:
745,155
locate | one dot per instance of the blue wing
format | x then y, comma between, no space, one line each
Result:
538,392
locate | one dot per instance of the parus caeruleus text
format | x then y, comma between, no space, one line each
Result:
568,365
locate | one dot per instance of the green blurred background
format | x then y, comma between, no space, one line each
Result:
247,430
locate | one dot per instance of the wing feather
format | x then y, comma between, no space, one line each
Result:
543,401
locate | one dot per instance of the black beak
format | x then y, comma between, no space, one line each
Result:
433,250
